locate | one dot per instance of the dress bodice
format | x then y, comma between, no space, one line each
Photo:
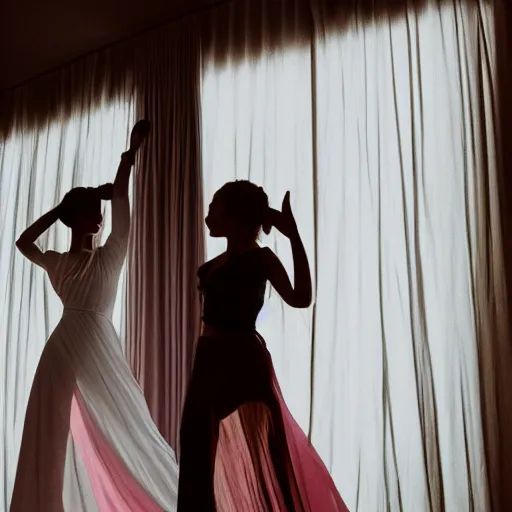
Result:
233,293
88,281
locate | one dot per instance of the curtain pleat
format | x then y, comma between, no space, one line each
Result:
91,82
167,236
499,371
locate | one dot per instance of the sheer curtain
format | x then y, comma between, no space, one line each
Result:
384,134
36,169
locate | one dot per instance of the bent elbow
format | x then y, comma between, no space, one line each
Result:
302,302
22,245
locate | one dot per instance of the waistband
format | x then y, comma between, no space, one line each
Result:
208,330
87,311
213,332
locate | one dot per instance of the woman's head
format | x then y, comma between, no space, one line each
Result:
240,209
80,210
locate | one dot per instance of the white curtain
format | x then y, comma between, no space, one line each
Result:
36,169
384,134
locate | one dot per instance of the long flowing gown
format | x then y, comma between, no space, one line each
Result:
241,449
89,443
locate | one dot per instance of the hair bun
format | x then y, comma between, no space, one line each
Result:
105,192
76,201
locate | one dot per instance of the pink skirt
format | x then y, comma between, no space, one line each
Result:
241,449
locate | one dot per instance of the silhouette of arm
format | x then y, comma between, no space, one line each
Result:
300,294
120,199
117,241
26,242
119,191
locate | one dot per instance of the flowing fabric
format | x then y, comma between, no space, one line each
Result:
113,487
85,403
235,371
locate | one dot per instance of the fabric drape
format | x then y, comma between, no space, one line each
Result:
385,133
501,368
167,233
89,83
36,169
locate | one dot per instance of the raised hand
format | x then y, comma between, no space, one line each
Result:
284,220
139,133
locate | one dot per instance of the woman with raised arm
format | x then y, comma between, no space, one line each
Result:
241,450
89,443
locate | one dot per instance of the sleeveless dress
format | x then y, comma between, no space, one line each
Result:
240,448
89,443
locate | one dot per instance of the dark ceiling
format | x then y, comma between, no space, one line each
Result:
38,36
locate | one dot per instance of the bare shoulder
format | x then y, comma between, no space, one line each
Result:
267,256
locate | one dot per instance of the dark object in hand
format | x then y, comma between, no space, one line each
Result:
139,132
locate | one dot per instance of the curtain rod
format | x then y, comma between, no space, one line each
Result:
185,13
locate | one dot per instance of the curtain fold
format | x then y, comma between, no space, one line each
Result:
262,26
88,83
500,371
167,235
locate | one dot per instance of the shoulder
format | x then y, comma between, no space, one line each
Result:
262,260
47,260
266,256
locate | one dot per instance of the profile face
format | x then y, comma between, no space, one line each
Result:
217,219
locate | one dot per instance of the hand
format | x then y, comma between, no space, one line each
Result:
284,220
139,133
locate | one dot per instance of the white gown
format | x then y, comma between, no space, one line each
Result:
89,443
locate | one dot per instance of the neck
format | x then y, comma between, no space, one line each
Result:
80,242
239,245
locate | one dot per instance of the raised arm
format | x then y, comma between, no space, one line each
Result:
120,199
300,294
26,241
119,189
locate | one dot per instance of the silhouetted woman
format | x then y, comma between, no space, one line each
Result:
240,448
89,443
